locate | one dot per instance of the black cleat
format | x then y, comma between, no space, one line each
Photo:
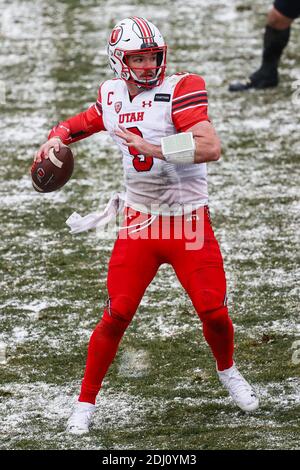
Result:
240,86
259,80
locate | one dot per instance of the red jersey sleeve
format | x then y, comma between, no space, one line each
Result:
80,126
189,105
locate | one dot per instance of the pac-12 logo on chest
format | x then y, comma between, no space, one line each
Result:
118,106
131,117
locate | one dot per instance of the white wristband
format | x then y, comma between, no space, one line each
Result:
179,148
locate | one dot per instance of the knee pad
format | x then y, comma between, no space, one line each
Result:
109,328
210,304
121,308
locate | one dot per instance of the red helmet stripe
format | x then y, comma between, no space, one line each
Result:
144,27
147,27
142,30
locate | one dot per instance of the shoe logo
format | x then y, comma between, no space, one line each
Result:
192,217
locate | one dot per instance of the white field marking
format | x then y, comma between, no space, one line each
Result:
296,353
2,92
3,359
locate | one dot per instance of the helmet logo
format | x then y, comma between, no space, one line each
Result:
118,106
116,35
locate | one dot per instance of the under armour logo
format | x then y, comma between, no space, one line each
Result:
147,103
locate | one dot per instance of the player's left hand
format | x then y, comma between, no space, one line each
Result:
134,140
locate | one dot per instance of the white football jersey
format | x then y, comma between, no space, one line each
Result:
153,185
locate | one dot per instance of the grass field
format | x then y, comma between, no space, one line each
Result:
162,391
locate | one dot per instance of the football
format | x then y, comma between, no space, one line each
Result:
52,173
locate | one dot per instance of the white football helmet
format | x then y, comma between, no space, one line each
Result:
136,36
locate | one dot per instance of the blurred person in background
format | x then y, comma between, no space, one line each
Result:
276,38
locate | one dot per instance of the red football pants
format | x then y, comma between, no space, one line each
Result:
135,259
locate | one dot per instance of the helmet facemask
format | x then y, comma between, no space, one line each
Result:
150,80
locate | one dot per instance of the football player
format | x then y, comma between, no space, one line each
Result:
160,124
276,38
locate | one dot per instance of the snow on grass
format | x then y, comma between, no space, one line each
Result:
31,409
134,363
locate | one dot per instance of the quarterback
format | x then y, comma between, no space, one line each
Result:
160,124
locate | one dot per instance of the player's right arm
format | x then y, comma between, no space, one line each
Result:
190,114
73,129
